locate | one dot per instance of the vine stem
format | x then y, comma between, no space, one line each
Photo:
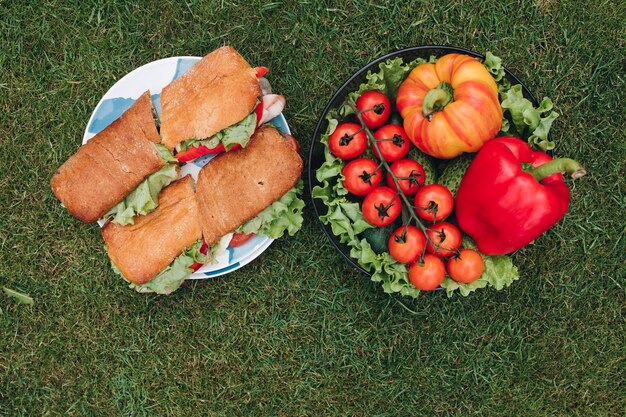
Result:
373,142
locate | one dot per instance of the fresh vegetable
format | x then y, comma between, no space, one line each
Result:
375,108
393,142
361,176
381,206
347,141
168,280
453,172
466,267
433,202
407,244
410,175
283,215
239,239
378,237
511,194
450,107
237,134
429,274
444,239
499,272
143,199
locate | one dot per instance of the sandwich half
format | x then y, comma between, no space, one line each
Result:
251,190
158,252
216,106
124,157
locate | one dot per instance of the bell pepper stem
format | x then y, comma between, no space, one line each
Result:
436,99
566,165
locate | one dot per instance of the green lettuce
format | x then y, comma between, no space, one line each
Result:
143,199
499,272
170,279
284,214
239,133
520,117
165,154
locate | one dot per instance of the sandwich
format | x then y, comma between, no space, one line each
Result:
216,106
158,251
119,172
252,190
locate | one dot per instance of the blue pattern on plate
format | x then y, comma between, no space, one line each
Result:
112,108
222,270
183,65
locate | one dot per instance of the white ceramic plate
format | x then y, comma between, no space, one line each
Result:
154,76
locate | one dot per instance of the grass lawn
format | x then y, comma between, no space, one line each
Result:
298,332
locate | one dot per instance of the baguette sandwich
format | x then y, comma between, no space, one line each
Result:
157,252
216,106
252,190
119,172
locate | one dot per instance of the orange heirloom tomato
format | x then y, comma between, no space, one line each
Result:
450,107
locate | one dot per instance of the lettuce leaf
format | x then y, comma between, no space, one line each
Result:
143,199
165,154
284,214
170,279
520,118
239,133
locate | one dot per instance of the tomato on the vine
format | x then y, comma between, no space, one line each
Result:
412,173
428,275
361,176
434,202
347,141
444,239
467,267
406,244
392,141
379,105
381,206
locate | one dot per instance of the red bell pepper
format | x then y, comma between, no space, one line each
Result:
511,194
204,249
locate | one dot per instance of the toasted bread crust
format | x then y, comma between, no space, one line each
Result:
110,165
236,186
217,92
141,250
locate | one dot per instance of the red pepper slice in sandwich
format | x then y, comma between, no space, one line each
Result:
204,249
197,151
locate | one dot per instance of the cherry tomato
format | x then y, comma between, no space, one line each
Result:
379,105
412,172
361,176
396,143
467,267
444,239
428,275
434,202
293,142
347,141
406,244
381,206
239,239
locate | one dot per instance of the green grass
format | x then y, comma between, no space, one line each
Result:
298,332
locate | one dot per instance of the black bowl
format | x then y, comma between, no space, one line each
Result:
316,154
